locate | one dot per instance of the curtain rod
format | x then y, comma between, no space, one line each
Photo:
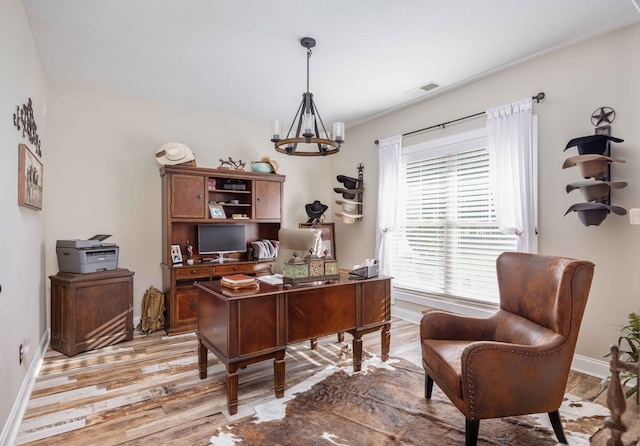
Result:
540,96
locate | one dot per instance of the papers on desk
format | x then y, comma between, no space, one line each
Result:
275,279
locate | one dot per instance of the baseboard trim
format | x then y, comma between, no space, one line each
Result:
582,364
12,426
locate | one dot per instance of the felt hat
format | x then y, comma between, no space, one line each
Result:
592,214
348,218
348,182
348,205
592,144
348,193
591,166
174,153
315,209
595,190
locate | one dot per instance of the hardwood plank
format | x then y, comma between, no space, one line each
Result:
148,391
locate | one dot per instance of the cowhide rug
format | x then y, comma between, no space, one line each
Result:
384,404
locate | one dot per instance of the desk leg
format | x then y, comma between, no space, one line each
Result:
313,343
341,336
278,373
385,340
202,360
232,388
357,351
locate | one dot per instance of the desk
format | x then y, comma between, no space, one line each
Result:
242,327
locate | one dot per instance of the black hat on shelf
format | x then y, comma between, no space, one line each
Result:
349,194
592,144
592,214
349,182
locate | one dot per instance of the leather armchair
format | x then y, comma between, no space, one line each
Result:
516,361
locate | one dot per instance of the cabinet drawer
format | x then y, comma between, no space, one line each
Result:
233,269
194,272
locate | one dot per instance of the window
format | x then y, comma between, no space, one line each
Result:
448,240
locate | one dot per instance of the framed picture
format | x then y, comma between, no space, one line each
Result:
217,211
29,179
176,254
327,231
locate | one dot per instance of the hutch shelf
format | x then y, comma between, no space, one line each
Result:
193,196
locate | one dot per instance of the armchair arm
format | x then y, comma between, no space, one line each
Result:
442,325
501,379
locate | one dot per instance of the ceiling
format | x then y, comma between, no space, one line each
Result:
244,57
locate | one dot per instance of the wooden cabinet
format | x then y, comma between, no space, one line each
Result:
91,310
187,196
268,200
254,198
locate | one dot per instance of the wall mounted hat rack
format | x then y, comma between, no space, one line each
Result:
593,163
351,196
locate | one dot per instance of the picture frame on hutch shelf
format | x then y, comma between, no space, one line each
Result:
327,232
217,211
176,254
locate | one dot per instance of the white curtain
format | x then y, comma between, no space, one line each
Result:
388,172
513,170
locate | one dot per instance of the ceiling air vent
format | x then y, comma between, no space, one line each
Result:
429,86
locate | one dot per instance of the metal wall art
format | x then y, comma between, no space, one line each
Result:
23,120
593,163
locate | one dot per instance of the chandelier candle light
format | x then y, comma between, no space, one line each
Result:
308,118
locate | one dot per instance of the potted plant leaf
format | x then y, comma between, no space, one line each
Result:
629,345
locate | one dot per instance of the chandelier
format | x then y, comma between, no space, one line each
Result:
308,131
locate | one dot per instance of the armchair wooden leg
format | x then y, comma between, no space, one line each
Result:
471,432
428,386
557,426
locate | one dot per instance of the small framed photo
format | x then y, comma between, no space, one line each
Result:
217,211
176,254
327,232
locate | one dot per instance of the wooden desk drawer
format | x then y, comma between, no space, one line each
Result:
193,272
241,268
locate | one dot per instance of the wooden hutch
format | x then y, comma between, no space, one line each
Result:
186,194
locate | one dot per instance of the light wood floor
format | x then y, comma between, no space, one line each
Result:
147,391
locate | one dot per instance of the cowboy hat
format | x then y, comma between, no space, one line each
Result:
348,218
591,166
348,205
315,209
596,190
273,163
592,144
174,153
592,214
348,193
349,182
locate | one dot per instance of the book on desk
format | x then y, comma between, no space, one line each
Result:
238,281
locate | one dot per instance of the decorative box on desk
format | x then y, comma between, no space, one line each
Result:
310,269
92,310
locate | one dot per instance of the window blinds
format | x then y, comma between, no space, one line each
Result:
448,240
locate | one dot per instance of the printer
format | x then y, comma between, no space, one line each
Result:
87,256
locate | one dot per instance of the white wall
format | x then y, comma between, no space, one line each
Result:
577,80
22,237
103,178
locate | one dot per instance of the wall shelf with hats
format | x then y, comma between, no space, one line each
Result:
351,196
593,164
